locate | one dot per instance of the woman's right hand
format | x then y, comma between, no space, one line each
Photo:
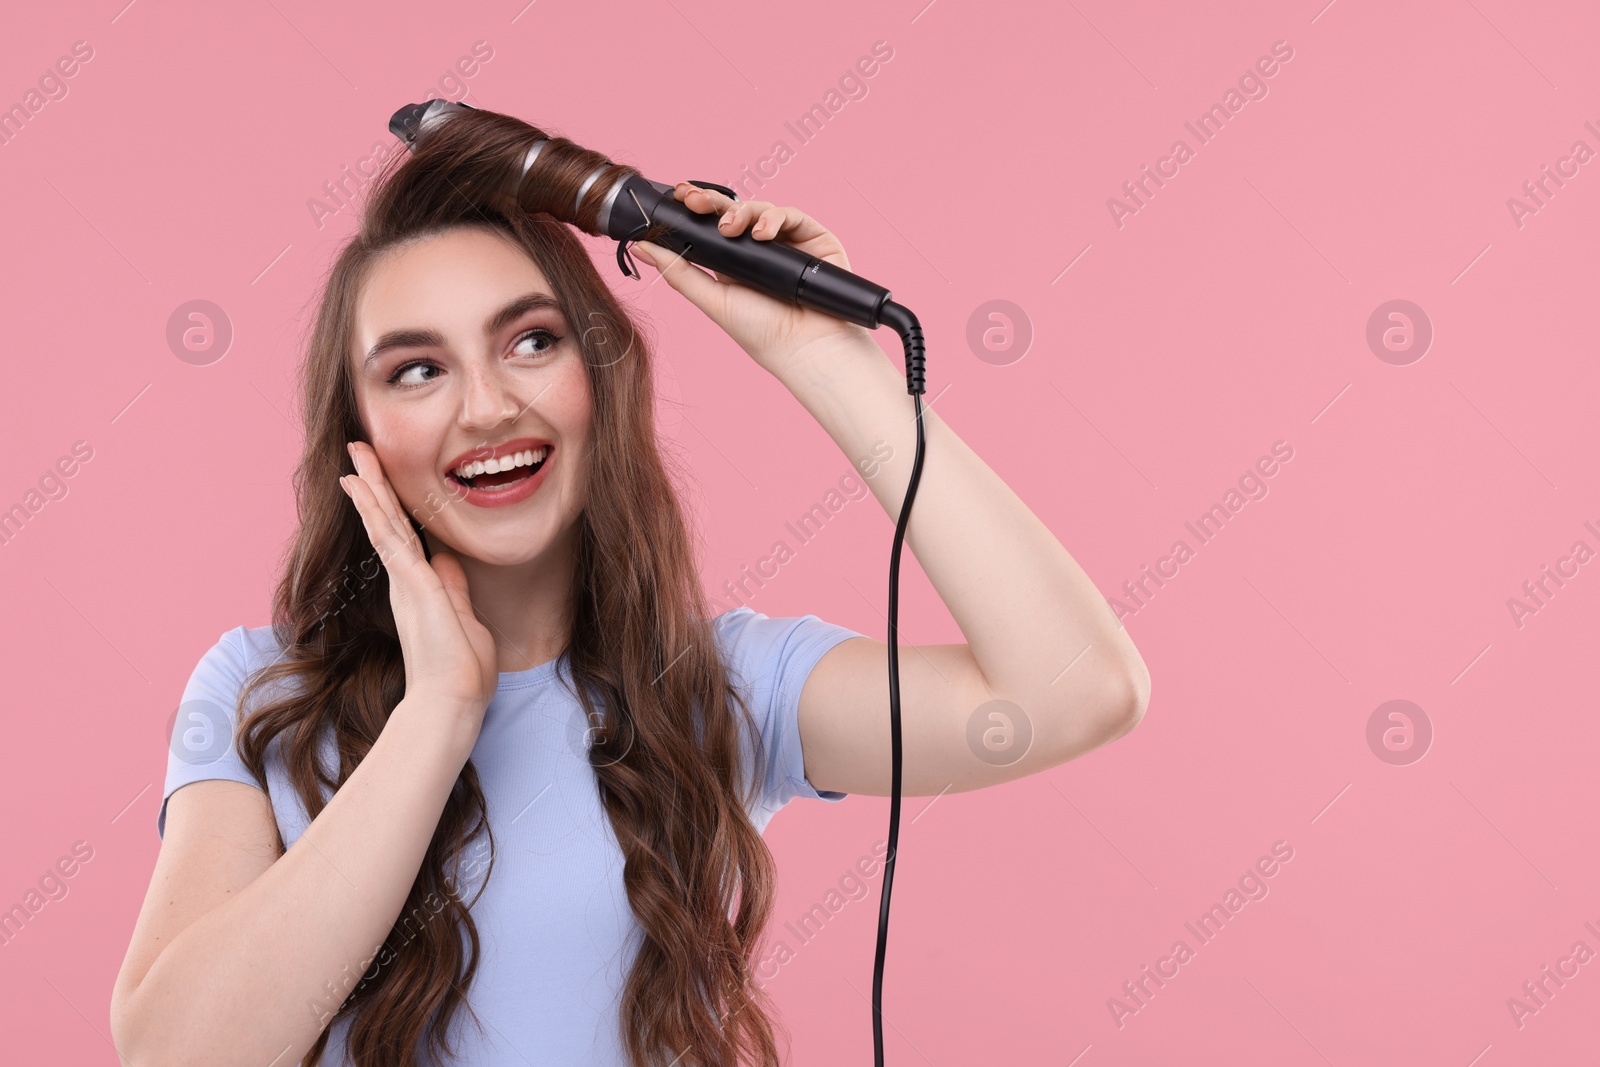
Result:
449,655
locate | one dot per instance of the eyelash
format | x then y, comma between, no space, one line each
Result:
394,379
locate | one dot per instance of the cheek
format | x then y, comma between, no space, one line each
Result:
407,453
573,408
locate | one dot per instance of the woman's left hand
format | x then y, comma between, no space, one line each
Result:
774,332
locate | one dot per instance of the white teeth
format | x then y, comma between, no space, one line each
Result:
526,458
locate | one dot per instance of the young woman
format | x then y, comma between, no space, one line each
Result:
492,753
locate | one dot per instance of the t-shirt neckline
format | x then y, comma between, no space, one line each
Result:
530,677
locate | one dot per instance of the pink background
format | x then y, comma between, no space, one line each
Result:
1227,314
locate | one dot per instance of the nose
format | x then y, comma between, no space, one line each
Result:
490,399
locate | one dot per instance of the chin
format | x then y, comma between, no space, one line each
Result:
504,548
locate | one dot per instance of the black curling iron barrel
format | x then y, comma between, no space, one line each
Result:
635,203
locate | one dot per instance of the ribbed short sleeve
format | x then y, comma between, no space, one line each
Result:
769,659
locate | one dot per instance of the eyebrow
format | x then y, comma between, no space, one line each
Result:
414,338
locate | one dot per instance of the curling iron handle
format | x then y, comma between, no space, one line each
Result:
779,270
843,295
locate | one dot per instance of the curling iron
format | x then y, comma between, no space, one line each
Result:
634,205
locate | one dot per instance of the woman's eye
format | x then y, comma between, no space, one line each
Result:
406,368
551,340
527,344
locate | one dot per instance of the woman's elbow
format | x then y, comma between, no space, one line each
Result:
1079,730
1131,697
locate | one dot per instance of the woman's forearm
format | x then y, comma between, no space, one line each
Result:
1026,608
260,975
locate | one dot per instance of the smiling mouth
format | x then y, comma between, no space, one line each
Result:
502,480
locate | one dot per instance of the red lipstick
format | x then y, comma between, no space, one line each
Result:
500,489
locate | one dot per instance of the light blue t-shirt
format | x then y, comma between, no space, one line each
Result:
556,933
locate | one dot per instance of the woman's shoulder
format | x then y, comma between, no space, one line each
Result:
232,660
772,655
248,646
744,625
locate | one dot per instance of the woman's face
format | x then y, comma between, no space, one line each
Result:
461,353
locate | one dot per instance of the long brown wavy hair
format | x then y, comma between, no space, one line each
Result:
699,877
